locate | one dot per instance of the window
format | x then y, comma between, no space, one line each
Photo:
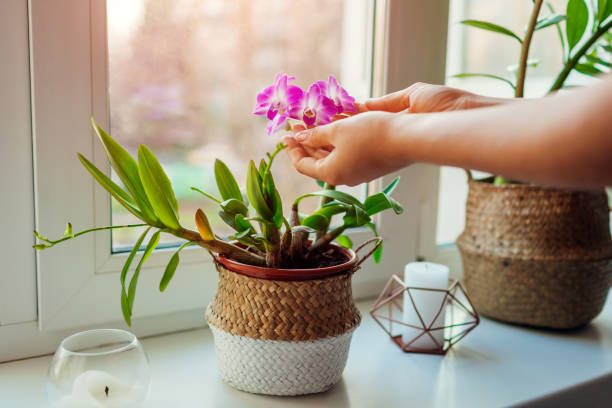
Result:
74,60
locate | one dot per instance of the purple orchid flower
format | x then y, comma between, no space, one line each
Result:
332,89
274,101
313,108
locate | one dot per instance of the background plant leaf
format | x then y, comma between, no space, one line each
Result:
485,25
577,20
491,76
549,20
604,10
587,69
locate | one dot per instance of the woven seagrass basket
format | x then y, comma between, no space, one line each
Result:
536,256
286,332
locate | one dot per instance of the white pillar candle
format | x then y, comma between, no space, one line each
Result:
431,276
99,389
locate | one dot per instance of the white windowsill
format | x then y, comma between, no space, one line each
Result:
495,365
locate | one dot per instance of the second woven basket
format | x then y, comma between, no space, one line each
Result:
536,256
283,336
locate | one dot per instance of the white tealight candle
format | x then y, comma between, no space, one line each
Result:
99,389
431,276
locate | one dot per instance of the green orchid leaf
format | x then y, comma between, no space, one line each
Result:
377,255
549,21
242,224
171,267
588,69
604,9
115,191
158,188
484,25
233,206
228,187
134,281
577,20
345,241
204,226
125,307
355,217
127,170
262,168
389,189
320,183
469,75
215,199
333,194
380,202
331,210
256,195
228,219
316,221
273,196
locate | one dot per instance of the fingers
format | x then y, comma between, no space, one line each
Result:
393,102
320,136
302,161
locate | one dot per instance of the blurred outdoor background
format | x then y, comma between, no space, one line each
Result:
184,75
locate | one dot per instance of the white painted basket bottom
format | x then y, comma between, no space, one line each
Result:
281,367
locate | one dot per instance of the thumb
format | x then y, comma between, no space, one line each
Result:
319,136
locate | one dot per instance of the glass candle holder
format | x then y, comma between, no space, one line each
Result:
99,368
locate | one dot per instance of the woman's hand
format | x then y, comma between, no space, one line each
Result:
361,148
427,98
348,151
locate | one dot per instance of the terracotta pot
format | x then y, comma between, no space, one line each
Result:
283,331
536,256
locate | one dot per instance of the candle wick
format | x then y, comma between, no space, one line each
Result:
106,390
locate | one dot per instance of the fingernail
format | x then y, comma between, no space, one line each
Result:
301,136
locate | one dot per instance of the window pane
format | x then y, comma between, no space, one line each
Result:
184,74
477,51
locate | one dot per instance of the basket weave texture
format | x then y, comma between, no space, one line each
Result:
536,256
283,310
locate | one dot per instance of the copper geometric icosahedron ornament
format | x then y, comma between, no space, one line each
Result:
454,319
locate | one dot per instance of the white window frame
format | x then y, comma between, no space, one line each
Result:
77,281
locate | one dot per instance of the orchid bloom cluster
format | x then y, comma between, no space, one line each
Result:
316,106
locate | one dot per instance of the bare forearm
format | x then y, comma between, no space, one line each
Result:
559,140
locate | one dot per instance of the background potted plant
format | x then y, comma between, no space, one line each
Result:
534,255
283,314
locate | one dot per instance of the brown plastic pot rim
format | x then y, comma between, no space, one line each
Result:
281,274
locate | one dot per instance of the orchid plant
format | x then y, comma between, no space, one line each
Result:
263,235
